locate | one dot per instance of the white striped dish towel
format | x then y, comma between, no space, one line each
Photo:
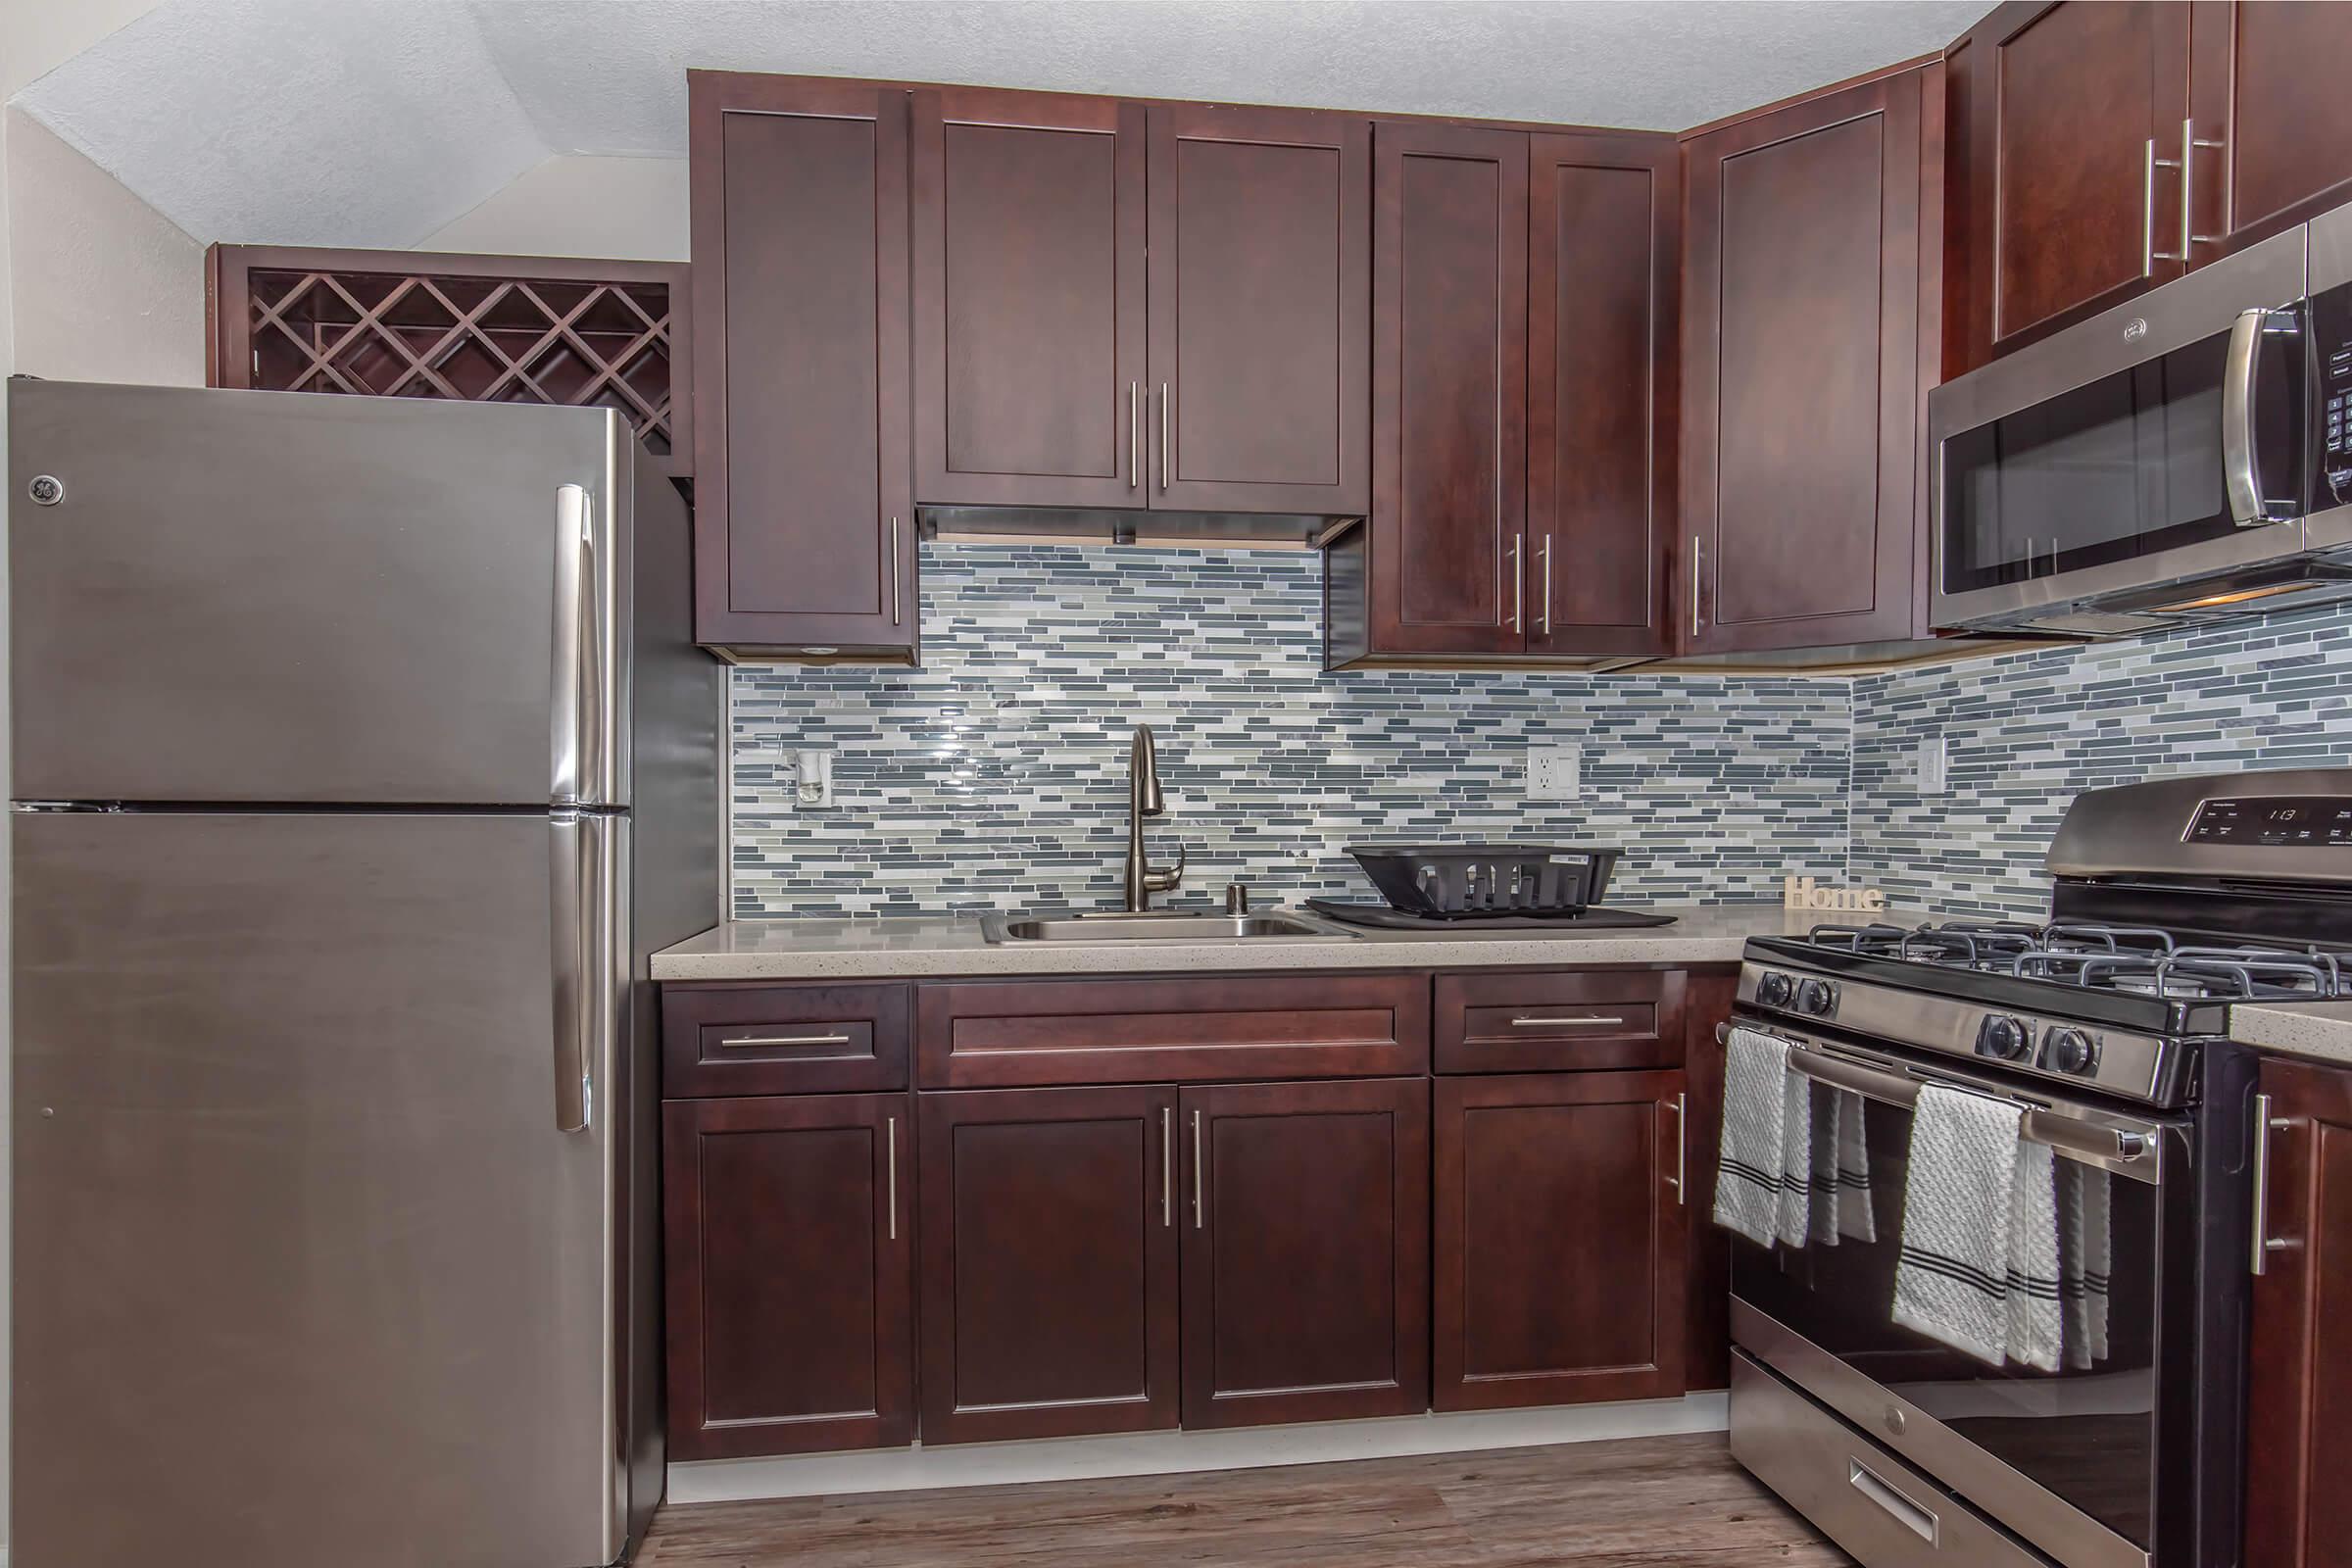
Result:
1979,1267
1763,1189
2086,1251
1840,1169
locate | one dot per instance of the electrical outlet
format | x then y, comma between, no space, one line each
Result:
1930,773
812,777
1554,772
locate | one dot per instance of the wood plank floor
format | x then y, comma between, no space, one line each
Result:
1646,1503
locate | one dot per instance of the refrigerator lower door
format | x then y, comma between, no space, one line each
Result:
273,597
308,1270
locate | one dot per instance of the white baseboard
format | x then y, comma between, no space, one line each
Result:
1147,1453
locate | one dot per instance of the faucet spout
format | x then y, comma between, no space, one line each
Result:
1144,799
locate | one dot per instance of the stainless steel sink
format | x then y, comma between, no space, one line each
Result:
1158,925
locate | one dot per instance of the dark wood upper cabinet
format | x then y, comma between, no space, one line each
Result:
1259,293
1049,1262
1448,389
1560,1239
805,511
1602,391
1305,1250
2265,82
2066,122
1801,395
788,1242
2299,1384
1028,299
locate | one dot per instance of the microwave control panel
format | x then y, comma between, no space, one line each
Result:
2331,344
2274,821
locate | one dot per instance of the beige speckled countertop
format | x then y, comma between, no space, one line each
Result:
835,948
2320,1030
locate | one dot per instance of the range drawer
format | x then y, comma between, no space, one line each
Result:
722,1040
1877,1507
1560,1021
989,1034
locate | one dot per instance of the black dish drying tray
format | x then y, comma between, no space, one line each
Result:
1468,881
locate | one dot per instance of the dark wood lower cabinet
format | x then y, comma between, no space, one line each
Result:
789,1249
2299,1391
1707,1299
1049,1262
1559,1239
1305,1252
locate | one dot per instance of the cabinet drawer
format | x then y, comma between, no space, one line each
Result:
1562,1021
782,1040
998,1034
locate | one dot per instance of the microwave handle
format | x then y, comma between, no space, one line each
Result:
2241,475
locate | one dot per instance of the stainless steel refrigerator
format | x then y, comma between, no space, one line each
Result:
361,757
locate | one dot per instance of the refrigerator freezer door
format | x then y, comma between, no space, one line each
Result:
306,1271
274,596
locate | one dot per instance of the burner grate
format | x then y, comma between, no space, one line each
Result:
2141,961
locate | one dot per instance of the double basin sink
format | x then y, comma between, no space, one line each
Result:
1159,926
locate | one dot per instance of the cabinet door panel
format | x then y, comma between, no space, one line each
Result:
1049,1262
1801,389
1604,242
1259,309
1560,1240
1028,299
2061,108
1448,389
1305,1252
2266,80
2299,1382
804,507
790,1274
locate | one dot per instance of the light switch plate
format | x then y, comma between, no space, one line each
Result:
1930,773
1554,773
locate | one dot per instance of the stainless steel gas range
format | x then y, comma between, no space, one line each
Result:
2174,899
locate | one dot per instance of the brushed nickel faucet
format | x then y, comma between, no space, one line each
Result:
1144,799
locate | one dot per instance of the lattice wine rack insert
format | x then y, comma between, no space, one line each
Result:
473,335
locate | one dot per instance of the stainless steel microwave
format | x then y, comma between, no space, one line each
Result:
2180,457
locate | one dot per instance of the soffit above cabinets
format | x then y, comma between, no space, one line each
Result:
376,121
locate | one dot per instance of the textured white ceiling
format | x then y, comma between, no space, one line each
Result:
374,121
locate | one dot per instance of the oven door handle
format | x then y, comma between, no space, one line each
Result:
2120,1149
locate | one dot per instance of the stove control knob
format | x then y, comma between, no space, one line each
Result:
1772,989
2069,1050
2008,1039
1816,996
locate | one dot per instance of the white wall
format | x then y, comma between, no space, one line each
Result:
40,296
625,209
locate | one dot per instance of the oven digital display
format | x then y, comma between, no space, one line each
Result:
2285,822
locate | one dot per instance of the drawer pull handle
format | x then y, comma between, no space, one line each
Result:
1592,1022
1921,1522
786,1040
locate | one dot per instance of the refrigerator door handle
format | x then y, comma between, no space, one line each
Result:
579,866
578,686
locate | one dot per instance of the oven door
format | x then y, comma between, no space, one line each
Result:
2068,1460
2159,443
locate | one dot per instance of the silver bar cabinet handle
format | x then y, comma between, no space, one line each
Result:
1167,1165
1518,585
1699,557
786,1040
1682,1146
1168,428
1135,434
2264,1125
897,574
1543,556
891,1127
1587,1021
1199,1205
2191,141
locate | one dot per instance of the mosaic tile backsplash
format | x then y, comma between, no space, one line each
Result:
996,776
2023,733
